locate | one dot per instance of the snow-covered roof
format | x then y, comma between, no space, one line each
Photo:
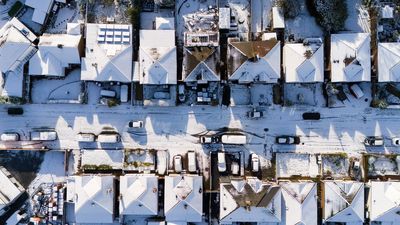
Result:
15,45
10,189
200,64
138,194
303,63
385,202
389,62
157,57
350,57
13,83
183,198
108,53
300,202
387,12
165,23
94,198
249,200
41,9
278,20
343,202
74,28
56,52
254,61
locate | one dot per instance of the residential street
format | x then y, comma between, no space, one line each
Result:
341,129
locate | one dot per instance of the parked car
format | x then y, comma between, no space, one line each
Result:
109,138
255,114
221,162
373,141
15,111
235,168
311,116
235,139
192,165
43,135
287,140
209,139
107,93
396,141
356,91
124,94
135,124
178,163
255,163
10,136
181,92
86,137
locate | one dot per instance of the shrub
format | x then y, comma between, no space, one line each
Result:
291,8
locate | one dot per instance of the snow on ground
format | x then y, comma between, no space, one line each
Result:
297,26
261,15
358,19
64,15
51,170
67,88
288,164
102,157
304,94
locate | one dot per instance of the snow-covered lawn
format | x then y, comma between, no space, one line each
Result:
358,18
289,164
64,15
336,166
304,94
68,88
304,25
51,170
240,95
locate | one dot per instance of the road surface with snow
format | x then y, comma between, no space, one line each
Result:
341,129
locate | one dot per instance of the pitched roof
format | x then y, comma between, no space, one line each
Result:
56,52
201,63
183,198
108,53
10,189
385,201
249,200
15,47
41,8
303,63
157,57
94,201
138,195
389,62
350,57
300,202
343,201
254,61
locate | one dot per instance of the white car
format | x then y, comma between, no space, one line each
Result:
178,163
221,162
135,124
235,168
255,163
396,141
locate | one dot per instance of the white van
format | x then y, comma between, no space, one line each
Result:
86,137
10,137
221,162
124,93
108,138
43,135
178,163
107,93
235,139
191,161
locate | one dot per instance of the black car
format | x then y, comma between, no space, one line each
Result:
15,111
311,116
